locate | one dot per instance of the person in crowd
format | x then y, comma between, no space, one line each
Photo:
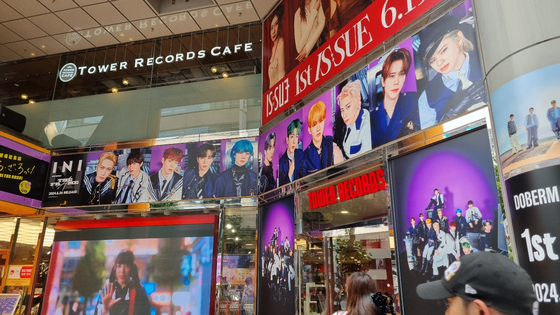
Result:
248,297
474,218
429,246
442,220
553,115
100,186
238,180
460,223
512,131
290,162
422,234
266,176
123,294
133,181
309,22
355,136
487,237
167,184
359,286
200,182
396,115
319,153
452,243
483,283
437,201
458,82
414,232
277,65
532,126
440,250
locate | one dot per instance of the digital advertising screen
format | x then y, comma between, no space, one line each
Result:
140,266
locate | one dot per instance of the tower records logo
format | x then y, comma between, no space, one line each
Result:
68,72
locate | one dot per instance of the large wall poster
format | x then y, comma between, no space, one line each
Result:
527,125
276,270
446,206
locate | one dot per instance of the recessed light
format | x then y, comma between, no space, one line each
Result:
228,226
344,211
31,102
15,84
225,74
125,82
214,69
114,90
23,96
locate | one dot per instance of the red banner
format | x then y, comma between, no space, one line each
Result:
366,31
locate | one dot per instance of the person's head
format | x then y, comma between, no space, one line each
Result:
269,144
413,221
470,204
429,223
105,165
483,283
316,121
452,227
421,216
553,103
487,226
436,191
358,285
125,269
276,23
350,100
394,72
292,138
241,153
436,226
466,248
171,158
511,117
134,162
205,156
458,212
531,110
440,213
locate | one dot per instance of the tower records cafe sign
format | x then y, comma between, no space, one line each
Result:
70,70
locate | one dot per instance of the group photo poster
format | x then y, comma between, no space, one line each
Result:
527,125
276,269
446,206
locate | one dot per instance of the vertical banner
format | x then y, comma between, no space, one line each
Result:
446,206
276,271
64,180
527,129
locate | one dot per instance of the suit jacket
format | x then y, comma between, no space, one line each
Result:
95,193
190,184
311,161
406,110
225,185
284,166
139,193
172,191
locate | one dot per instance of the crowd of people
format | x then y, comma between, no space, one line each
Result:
278,271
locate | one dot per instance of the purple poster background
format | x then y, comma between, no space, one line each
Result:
157,155
279,215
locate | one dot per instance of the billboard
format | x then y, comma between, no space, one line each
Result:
167,173
306,43
446,206
276,269
133,266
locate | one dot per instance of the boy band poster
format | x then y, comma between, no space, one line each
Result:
154,174
429,78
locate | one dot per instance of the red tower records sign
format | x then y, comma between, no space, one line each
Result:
362,34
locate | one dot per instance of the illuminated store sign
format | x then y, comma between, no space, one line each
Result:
70,70
349,189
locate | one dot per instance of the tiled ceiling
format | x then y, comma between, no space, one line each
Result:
32,28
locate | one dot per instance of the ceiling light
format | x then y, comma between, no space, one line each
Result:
214,69
237,238
225,75
248,244
125,82
31,102
23,96
228,226
344,211
114,90
233,231
49,252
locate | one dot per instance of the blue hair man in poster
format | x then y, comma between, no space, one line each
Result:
238,180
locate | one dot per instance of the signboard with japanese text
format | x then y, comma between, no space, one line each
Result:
19,275
8,303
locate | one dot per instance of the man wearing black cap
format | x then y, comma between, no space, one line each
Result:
483,283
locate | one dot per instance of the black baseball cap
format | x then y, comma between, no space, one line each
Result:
432,35
487,276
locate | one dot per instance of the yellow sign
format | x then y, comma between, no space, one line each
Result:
24,187
19,275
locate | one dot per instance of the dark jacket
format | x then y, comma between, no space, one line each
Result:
284,166
266,178
128,294
190,184
311,162
406,110
94,193
225,184
175,185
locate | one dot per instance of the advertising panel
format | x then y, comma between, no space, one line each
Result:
276,272
446,206
133,266
305,45
8,303
527,127
19,275
154,174
22,173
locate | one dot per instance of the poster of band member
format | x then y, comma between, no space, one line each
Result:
240,169
99,185
202,167
64,180
527,127
166,168
133,167
446,207
276,271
